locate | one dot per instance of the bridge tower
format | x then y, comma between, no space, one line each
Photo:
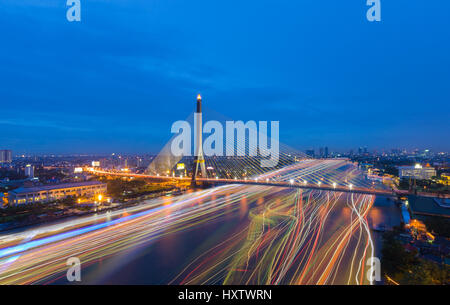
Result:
199,160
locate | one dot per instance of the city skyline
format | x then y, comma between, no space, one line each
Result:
91,87
225,150
304,150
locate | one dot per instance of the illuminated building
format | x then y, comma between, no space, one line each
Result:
5,156
29,171
3,199
445,176
49,193
180,169
323,152
416,172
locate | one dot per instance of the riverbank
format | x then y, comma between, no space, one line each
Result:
67,214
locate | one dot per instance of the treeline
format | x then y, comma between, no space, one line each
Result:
23,212
125,189
438,225
406,268
423,185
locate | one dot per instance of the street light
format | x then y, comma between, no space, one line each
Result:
334,184
291,181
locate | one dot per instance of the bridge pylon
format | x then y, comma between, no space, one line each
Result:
199,160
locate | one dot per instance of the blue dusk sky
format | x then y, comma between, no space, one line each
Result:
117,80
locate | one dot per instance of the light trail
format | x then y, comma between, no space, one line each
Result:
289,243
284,235
339,175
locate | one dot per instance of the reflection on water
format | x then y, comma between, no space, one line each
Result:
231,234
269,230
384,215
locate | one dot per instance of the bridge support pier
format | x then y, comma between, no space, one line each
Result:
199,161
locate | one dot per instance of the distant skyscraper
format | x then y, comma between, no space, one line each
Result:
396,151
29,171
323,152
310,153
5,156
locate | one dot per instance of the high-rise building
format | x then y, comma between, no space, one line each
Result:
29,171
310,153
416,172
326,152
5,156
396,151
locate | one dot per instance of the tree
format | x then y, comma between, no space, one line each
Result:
69,201
395,258
426,273
438,225
404,184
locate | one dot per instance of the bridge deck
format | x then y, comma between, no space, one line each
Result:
338,188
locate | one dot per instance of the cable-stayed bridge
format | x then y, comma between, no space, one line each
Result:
293,169
263,182
337,175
